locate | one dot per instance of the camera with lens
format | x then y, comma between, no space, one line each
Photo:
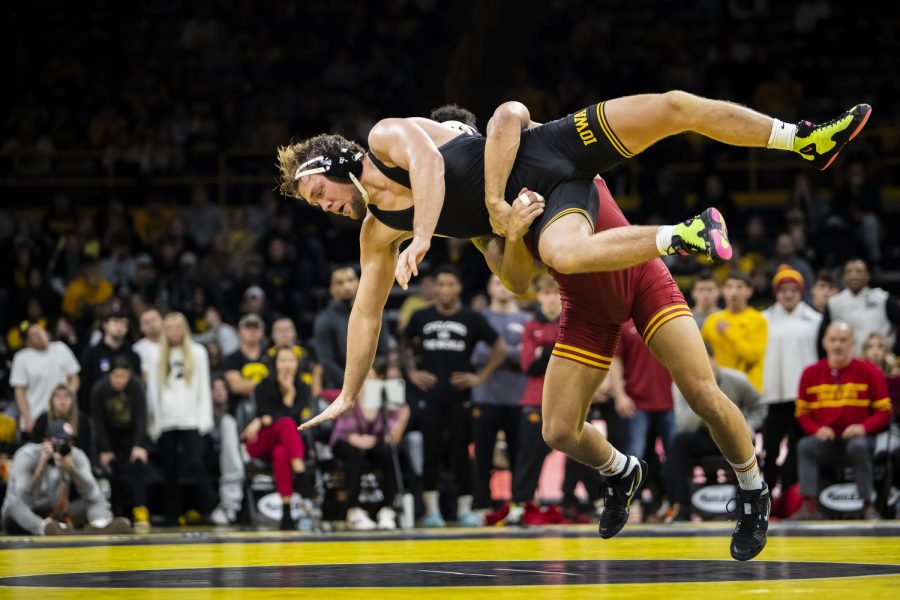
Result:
62,447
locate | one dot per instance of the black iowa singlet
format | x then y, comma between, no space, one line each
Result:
574,148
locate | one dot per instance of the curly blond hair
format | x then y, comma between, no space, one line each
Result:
296,153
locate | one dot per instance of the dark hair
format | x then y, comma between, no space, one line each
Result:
704,275
448,270
295,154
827,276
120,361
344,267
453,112
856,259
740,276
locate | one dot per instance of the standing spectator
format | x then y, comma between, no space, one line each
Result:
231,464
737,334
37,496
786,254
497,403
218,331
246,368
36,371
183,414
273,434
530,451
147,348
642,390
823,289
87,291
64,407
866,310
97,360
445,335
842,402
362,435
858,201
422,297
705,294
793,327
119,415
330,328
693,442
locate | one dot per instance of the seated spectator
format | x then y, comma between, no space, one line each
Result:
693,442
218,331
37,370
63,407
119,414
273,434
246,367
37,496
231,465
362,436
86,292
183,409
841,404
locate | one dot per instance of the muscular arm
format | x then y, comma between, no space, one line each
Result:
379,246
510,260
403,143
504,133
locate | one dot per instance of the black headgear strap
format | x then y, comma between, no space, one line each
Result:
345,165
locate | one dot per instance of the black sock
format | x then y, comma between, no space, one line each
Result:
286,521
303,485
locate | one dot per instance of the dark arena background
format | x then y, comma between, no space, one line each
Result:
152,273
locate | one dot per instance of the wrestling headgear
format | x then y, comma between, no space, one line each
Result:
345,166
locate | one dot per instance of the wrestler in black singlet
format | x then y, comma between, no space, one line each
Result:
558,160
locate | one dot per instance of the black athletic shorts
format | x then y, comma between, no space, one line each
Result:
560,159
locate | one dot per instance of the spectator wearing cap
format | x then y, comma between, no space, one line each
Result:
793,327
40,479
737,333
330,327
246,367
183,413
219,332
866,309
119,415
86,292
97,360
36,371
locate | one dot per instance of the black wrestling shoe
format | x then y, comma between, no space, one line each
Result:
821,143
620,490
752,511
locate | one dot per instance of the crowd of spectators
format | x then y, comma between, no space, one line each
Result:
214,287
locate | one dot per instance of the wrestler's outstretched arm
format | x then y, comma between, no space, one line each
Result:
504,132
379,246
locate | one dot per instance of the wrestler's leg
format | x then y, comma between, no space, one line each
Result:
678,345
640,121
569,388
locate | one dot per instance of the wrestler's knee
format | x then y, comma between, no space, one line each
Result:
557,434
560,256
706,399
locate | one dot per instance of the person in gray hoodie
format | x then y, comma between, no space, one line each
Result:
37,497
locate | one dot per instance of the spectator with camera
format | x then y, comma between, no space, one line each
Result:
40,479
37,370
63,406
119,414
365,435
183,409
272,434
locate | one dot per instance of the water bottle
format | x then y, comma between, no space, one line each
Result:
304,523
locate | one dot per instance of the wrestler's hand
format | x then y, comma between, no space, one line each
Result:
409,259
340,405
527,207
498,212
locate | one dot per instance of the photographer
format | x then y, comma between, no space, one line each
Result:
361,436
37,497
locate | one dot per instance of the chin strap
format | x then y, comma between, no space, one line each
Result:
362,190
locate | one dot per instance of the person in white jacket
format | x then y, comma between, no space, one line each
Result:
791,347
184,413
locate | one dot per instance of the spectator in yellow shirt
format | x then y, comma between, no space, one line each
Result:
86,291
738,333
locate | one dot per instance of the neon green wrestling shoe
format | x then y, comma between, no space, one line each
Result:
820,144
704,234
